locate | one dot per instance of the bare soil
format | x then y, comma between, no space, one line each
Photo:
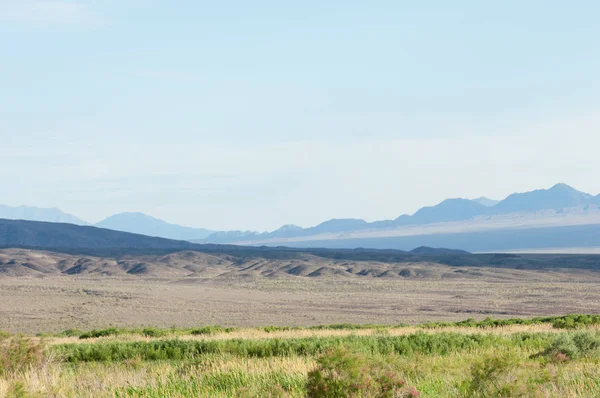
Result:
52,303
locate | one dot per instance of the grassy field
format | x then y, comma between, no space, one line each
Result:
545,357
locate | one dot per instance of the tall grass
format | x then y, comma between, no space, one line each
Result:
572,321
423,343
471,363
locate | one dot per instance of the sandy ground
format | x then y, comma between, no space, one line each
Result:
56,303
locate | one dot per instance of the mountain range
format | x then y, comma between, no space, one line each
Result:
556,199
38,214
68,249
137,223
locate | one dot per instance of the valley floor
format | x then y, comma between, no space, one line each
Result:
56,303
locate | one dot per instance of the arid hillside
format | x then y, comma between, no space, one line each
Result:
192,264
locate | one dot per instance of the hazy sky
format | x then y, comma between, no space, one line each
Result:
254,114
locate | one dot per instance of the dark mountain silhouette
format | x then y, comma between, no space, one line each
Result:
38,214
432,251
19,233
120,253
139,223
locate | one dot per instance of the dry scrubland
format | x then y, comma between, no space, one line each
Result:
268,344
49,292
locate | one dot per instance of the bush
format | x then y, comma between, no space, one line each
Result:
575,321
208,330
71,333
343,374
153,332
271,329
573,346
504,376
20,353
101,333
418,343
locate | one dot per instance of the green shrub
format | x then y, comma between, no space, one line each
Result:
343,374
102,333
71,333
573,346
575,321
271,329
495,377
153,332
418,343
208,330
19,353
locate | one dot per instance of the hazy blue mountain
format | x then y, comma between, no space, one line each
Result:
426,250
558,197
140,223
448,210
38,214
288,230
337,225
486,201
232,236
494,240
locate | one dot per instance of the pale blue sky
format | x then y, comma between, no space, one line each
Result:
249,115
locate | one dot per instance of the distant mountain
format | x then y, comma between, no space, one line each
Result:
19,233
38,214
229,236
336,225
450,210
139,223
432,251
486,201
558,197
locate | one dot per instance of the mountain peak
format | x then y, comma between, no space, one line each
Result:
31,213
141,223
557,197
561,186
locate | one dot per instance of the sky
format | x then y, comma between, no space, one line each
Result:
251,115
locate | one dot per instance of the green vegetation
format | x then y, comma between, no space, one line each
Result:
511,358
341,373
421,343
573,321
19,353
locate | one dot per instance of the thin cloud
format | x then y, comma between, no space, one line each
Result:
47,13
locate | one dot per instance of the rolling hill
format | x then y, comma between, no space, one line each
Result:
85,241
